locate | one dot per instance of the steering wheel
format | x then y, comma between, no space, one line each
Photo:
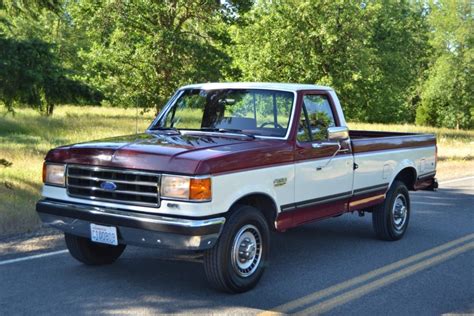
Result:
276,125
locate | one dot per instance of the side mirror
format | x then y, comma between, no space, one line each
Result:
338,133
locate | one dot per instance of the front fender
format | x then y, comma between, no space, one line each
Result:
229,188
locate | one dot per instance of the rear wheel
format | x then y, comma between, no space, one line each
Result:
390,219
236,263
91,253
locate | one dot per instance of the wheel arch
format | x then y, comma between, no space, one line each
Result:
261,201
407,175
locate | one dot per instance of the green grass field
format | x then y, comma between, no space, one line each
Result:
26,138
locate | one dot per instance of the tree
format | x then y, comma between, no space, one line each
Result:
390,61
141,51
31,74
370,53
447,92
35,57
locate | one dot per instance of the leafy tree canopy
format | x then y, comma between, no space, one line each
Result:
140,51
447,93
33,63
389,61
371,54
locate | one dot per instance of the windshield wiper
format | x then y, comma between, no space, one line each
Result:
161,128
226,130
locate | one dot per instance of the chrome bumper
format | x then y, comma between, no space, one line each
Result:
132,228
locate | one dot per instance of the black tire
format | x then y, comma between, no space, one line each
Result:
387,224
222,269
92,253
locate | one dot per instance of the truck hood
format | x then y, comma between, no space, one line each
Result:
176,153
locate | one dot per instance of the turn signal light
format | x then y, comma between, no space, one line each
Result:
44,172
200,189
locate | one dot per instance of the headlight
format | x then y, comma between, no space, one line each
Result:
186,188
54,174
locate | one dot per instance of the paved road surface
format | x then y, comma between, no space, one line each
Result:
334,266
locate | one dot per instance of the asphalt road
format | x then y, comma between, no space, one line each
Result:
334,266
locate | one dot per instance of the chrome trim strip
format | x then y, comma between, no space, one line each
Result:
118,202
324,201
115,191
426,175
165,198
388,151
371,189
106,169
150,184
317,201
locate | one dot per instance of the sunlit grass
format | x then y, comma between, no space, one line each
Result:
26,138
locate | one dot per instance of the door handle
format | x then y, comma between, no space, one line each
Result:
325,144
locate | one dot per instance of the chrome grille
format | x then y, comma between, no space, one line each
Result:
131,187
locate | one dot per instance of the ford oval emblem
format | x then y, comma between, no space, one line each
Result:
108,186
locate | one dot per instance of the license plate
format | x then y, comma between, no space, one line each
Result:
104,234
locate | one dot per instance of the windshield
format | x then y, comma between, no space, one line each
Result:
256,112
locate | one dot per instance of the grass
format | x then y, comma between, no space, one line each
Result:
26,138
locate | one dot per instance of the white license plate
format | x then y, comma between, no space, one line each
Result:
104,234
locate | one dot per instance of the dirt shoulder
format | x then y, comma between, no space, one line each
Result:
42,240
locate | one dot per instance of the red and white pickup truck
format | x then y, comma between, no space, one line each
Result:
224,164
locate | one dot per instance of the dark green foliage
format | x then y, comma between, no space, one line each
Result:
34,66
30,74
5,163
372,55
139,52
389,61
448,91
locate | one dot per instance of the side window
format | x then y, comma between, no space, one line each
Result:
316,117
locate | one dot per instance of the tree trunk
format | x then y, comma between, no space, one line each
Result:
49,109
9,106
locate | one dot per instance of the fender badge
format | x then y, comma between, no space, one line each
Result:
279,182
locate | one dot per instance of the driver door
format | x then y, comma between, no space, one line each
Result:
323,168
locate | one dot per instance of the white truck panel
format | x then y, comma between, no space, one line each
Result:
381,167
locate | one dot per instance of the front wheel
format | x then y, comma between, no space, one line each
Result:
390,219
91,253
236,263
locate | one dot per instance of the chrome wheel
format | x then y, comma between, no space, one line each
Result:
399,212
246,250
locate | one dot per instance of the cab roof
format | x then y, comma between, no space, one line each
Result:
256,85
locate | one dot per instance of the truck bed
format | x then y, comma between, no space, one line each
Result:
365,141
381,155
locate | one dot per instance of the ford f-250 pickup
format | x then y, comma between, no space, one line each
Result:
224,164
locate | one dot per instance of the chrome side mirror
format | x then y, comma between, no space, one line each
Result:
338,133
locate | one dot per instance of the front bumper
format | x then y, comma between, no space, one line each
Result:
132,228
